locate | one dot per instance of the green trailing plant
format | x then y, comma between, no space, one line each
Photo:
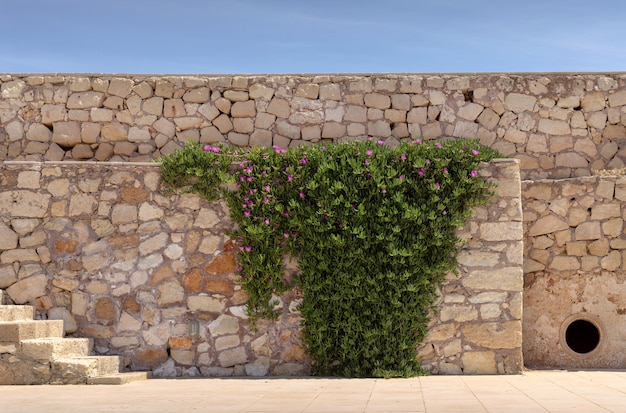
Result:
373,229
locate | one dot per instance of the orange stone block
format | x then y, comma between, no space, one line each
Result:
149,358
130,194
68,246
160,274
223,263
192,281
219,287
120,240
294,353
180,342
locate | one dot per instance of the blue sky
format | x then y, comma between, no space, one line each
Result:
313,36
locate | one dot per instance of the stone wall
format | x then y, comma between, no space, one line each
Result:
152,276
558,125
575,268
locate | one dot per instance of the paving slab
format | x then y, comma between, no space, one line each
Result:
533,391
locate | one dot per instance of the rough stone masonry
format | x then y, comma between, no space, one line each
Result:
558,125
102,247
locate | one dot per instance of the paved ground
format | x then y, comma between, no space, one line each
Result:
534,391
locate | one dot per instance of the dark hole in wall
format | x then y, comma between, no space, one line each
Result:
582,336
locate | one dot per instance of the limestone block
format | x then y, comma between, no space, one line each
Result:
206,304
377,101
517,102
236,95
470,111
355,114
571,160
232,357
226,342
554,127
588,231
113,132
24,203
280,108
569,102
333,130
7,276
153,244
599,248
311,133
308,90
13,89
170,292
198,95
120,87
614,132
597,120
501,231
395,116
617,99
264,120
564,263
605,211
26,290
243,109
479,362
612,261
223,123
261,137
66,134
593,102
494,335
613,227
165,127
546,225
224,324
463,129
83,100
458,313
577,248
243,125
503,279
379,128
260,91
173,108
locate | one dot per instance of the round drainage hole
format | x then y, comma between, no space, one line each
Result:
582,336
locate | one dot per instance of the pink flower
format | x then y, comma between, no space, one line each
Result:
419,141
248,248
403,157
267,188
301,194
437,185
438,145
323,148
266,201
286,213
445,212
290,178
303,161
401,178
381,142
246,213
367,162
286,234
420,171
473,173
427,161
370,152
267,222
249,179
445,170
475,152
384,191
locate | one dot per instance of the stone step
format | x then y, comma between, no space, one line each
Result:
77,369
16,312
50,349
120,378
15,331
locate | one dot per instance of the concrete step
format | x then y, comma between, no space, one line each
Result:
85,367
120,378
14,331
16,312
50,349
